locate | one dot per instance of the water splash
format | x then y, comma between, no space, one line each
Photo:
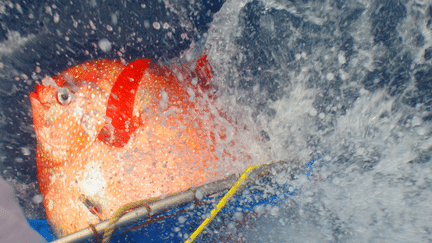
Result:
344,82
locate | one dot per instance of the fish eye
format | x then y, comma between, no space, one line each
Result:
64,96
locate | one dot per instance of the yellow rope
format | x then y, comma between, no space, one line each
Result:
222,203
145,203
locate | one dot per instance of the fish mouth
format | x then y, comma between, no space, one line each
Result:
39,109
34,97
36,100
37,104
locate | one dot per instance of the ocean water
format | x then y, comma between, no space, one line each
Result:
344,83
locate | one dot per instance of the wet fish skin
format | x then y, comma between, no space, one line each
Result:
170,145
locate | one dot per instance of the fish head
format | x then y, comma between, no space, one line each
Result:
69,109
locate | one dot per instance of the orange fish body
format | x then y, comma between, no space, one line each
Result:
110,134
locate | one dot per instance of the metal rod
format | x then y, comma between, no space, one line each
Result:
159,207
178,200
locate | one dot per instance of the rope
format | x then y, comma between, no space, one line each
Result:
222,203
145,203
123,210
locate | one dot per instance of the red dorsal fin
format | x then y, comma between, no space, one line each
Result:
119,111
203,71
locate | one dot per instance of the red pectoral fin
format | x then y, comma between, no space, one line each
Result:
119,111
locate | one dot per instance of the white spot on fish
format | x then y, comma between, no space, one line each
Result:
78,113
93,183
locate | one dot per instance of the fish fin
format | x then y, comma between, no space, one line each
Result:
120,104
203,71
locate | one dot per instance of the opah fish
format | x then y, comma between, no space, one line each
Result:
109,134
